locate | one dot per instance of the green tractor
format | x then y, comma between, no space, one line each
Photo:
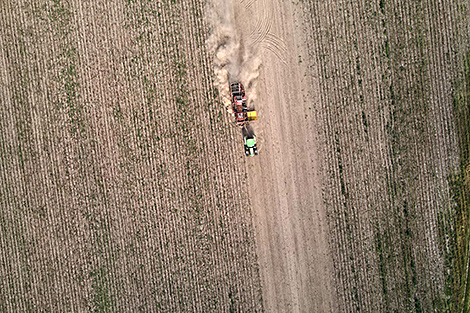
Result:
250,145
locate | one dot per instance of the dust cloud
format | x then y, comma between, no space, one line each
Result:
233,61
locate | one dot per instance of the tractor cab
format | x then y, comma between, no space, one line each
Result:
250,145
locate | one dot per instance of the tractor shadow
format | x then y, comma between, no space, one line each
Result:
247,131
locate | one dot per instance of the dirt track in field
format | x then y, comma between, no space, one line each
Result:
285,193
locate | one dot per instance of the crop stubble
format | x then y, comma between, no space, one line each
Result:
387,71
117,192
116,195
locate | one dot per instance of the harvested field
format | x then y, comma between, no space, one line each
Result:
123,184
388,72
116,188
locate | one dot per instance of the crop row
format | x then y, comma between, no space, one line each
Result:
390,146
120,194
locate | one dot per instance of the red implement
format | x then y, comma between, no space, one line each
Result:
239,103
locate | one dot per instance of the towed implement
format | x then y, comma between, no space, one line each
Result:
242,114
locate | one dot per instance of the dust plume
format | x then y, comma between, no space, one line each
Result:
233,61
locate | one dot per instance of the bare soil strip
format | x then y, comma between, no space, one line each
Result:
284,187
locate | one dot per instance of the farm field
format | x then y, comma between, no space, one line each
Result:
122,185
123,182
393,122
